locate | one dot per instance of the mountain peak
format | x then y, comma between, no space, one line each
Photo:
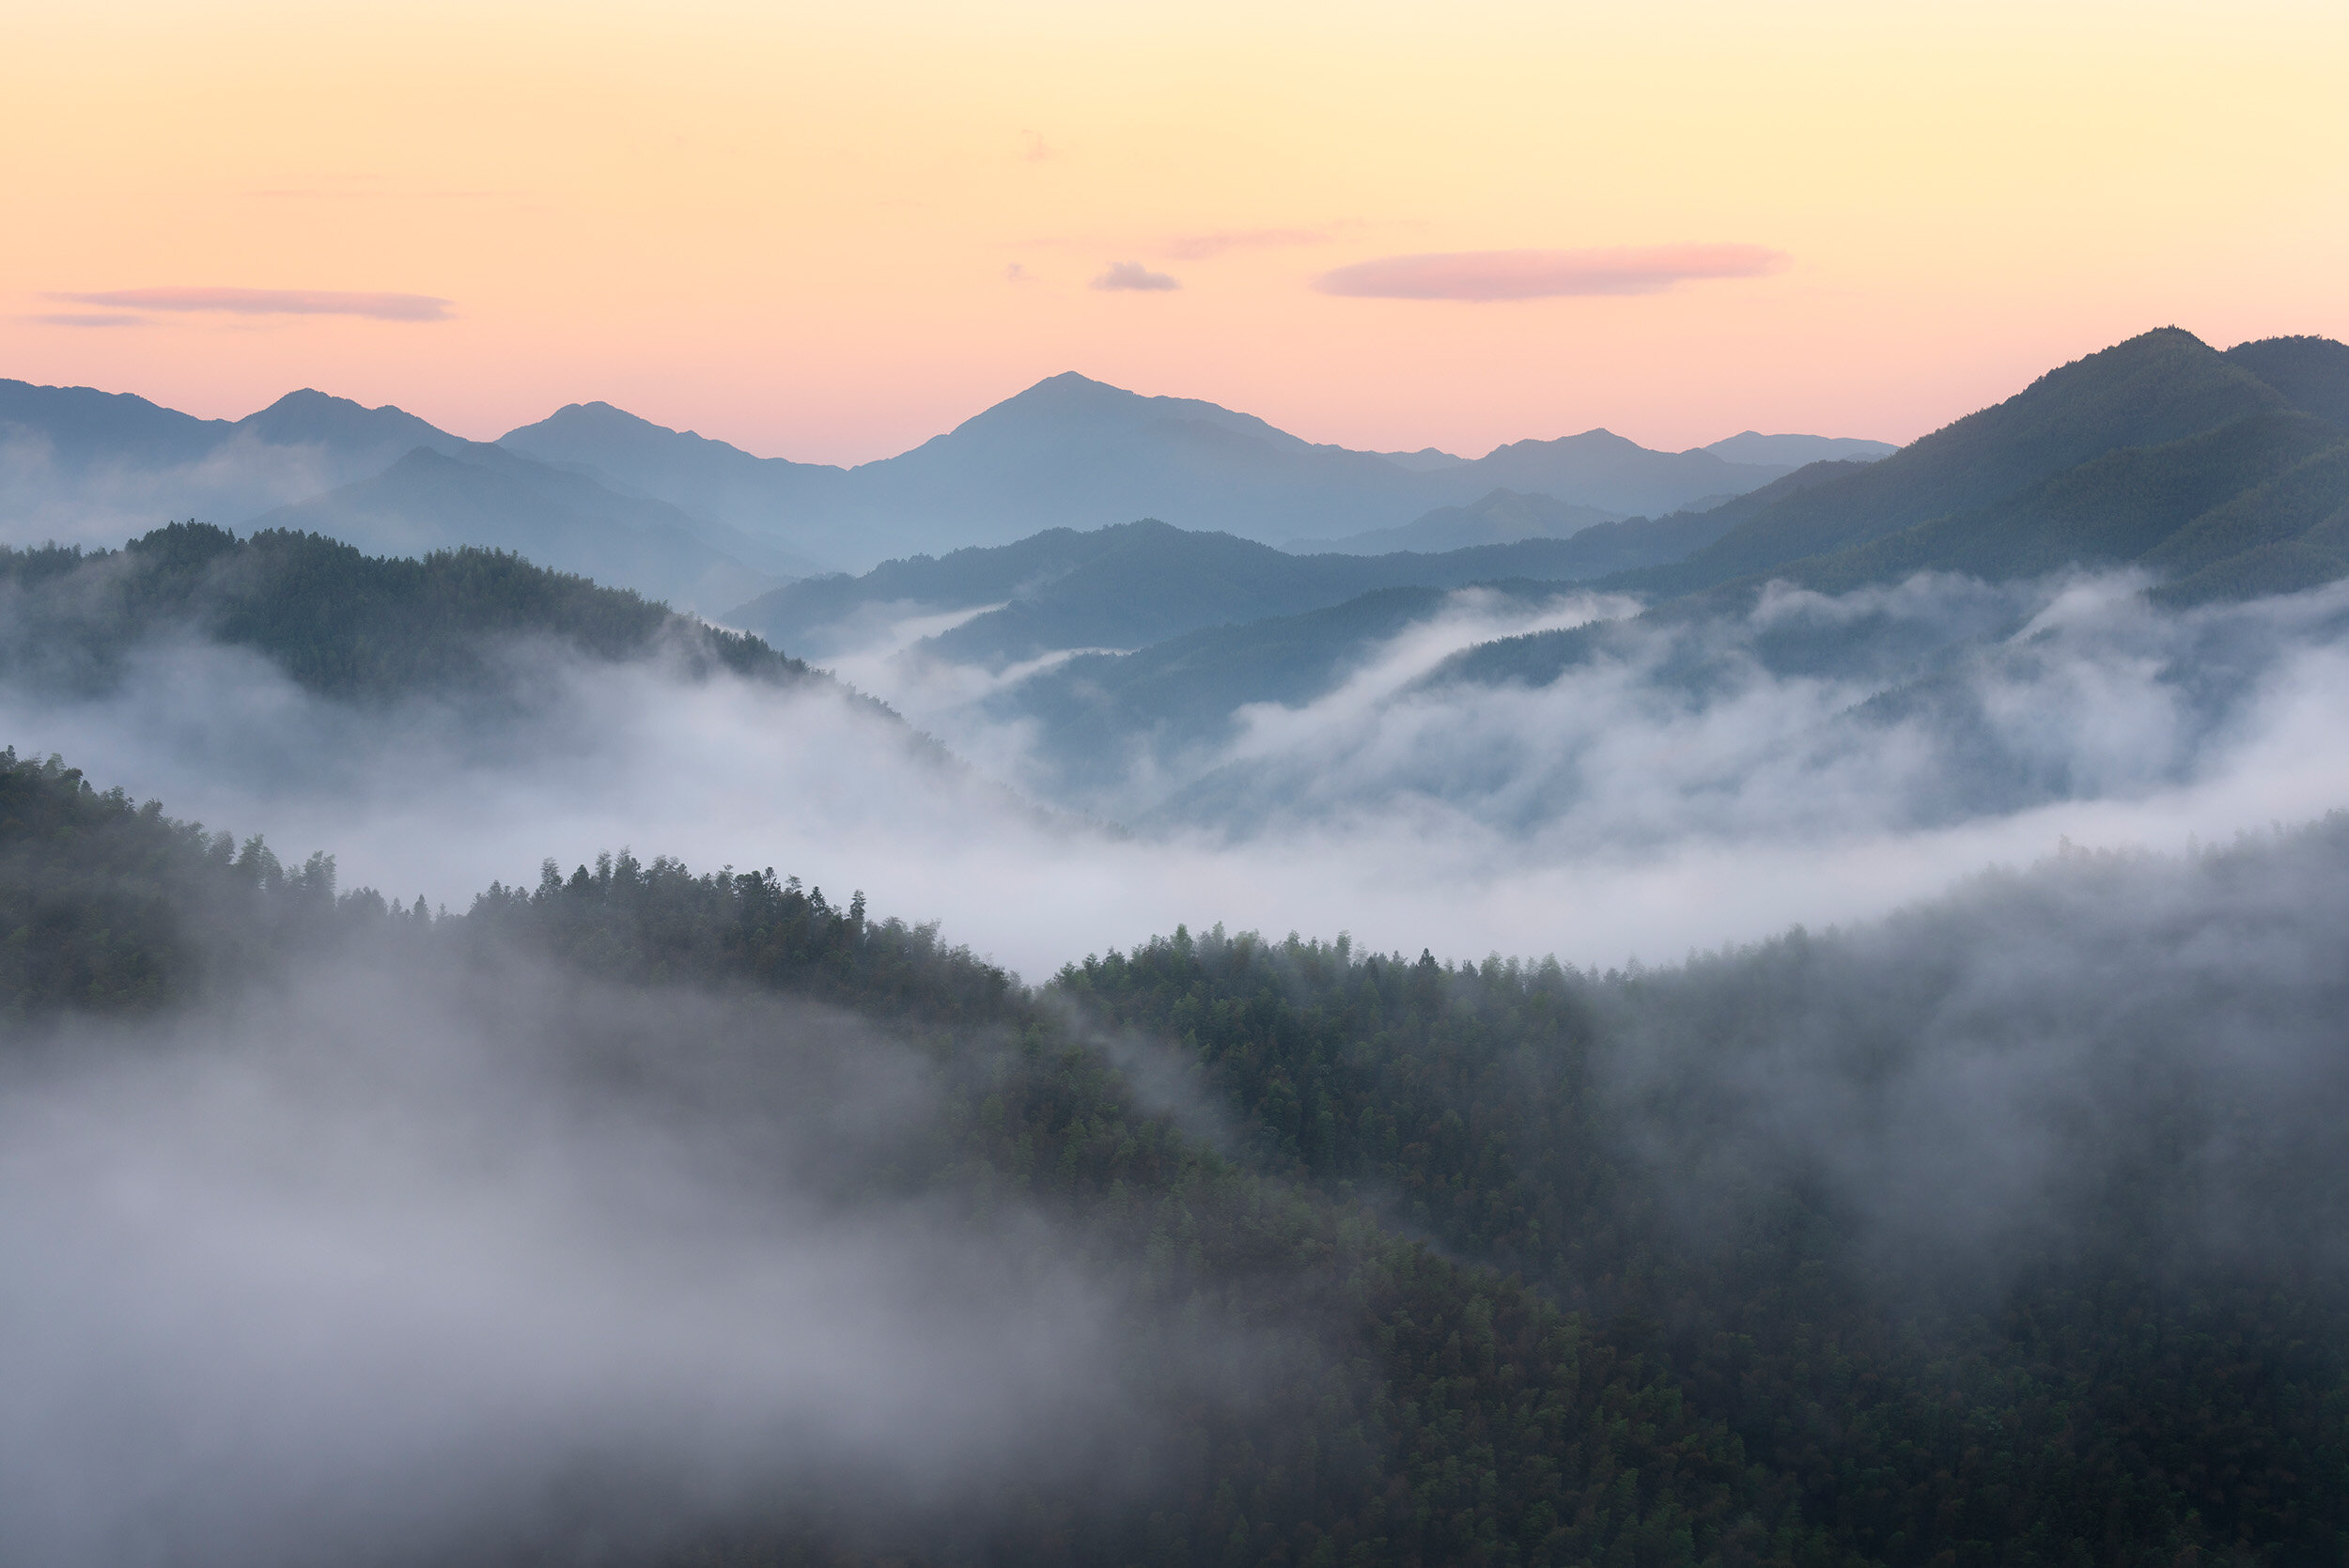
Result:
308,416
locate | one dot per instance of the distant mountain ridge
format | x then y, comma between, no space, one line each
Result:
1500,518
2161,386
1077,453
1066,452
1752,446
484,495
2160,453
389,482
1136,583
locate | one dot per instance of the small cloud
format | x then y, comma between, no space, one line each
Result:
87,318
1199,247
272,302
1542,274
1134,276
1036,151
1017,274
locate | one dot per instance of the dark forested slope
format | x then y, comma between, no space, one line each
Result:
1399,1407
2000,1232
2160,387
2007,1230
339,622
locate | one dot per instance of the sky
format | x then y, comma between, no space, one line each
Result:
827,233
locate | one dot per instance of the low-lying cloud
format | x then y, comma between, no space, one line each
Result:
1681,787
270,301
45,496
1533,275
416,1257
1133,275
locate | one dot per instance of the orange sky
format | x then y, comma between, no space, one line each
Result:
797,228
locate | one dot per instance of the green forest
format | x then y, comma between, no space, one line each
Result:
1537,1265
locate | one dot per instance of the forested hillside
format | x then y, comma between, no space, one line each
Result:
1992,1234
339,622
2098,462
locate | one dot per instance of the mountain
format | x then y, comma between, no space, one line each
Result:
2245,504
1077,453
1136,583
483,495
361,441
1426,459
80,426
335,620
1752,446
84,462
2180,509
2159,387
1090,713
1072,452
764,497
2311,373
1499,518
1386,1261
1600,468
85,429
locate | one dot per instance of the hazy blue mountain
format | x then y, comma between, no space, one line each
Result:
766,497
87,428
81,463
2159,387
1137,583
1067,451
1499,518
1076,453
483,495
1601,469
80,426
361,441
85,465
1425,460
2252,500
1752,446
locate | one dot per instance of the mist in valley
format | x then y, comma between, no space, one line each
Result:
422,1253
1686,787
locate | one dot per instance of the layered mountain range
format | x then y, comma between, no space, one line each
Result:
599,491
2215,478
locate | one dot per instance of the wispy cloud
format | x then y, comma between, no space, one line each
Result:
1542,274
87,318
1199,247
1134,276
270,301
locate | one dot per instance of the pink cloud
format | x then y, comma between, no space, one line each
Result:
1542,274
87,318
1134,276
272,302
